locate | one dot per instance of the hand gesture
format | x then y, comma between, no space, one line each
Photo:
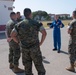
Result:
9,39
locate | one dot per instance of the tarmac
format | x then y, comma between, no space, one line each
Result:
54,63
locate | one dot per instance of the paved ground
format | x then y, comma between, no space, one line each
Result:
54,63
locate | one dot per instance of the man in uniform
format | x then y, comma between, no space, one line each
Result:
28,30
72,43
14,48
19,18
57,24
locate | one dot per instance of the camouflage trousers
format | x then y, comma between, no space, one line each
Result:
34,55
14,53
72,52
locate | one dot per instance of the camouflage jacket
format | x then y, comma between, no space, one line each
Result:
9,26
73,28
28,30
73,31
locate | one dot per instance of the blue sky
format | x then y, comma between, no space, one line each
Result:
50,6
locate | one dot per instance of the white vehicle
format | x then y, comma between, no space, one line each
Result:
6,6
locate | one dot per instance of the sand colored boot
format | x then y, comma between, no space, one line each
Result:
71,68
16,69
11,66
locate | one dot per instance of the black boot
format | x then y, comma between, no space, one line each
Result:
54,49
58,51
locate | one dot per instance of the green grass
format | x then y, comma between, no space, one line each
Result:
65,22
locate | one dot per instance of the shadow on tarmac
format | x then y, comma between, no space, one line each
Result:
72,72
64,52
45,61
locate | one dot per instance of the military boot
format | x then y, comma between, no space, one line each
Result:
11,66
71,68
16,69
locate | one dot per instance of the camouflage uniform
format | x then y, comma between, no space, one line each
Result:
27,31
72,42
14,49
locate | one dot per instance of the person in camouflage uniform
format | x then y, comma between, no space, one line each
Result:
14,48
72,43
19,18
28,30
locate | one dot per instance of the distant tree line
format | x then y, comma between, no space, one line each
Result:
40,15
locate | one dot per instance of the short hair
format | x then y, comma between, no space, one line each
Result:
27,12
18,12
74,12
12,13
